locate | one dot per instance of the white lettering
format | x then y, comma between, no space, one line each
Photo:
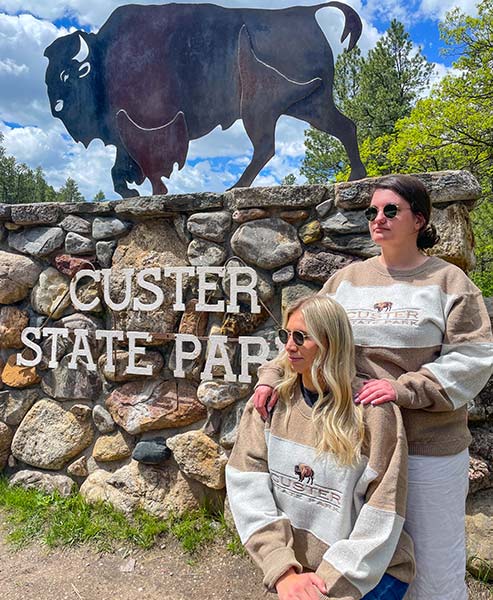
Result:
127,274
247,358
179,272
55,333
208,286
154,272
134,351
109,336
38,354
218,342
237,288
81,349
96,276
181,355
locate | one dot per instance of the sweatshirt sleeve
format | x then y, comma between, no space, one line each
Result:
462,368
263,529
352,567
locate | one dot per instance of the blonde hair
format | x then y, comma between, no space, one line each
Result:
338,421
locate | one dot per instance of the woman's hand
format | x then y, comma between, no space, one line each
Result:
376,391
264,400
303,586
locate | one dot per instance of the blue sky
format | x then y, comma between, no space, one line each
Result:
36,138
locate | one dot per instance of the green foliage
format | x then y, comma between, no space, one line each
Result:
19,184
375,92
99,197
56,521
290,179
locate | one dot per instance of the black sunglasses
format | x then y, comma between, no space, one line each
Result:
389,210
299,337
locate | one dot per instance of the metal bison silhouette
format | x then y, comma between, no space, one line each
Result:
155,77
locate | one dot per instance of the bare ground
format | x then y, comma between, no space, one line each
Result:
162,573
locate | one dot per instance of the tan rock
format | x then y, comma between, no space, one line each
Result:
18,274
112,447
219,394
12,322
150,244
78,468
18,376
199,457
193,322
155,404
294,216
50,295
249,214
6,435
50,436
456,238
479,533
161,492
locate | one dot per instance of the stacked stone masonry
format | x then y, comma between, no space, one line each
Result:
158,442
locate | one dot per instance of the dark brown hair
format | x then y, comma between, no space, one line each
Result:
414,192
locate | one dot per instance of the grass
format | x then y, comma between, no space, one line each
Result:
55,521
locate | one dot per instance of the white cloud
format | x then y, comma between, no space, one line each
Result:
437,9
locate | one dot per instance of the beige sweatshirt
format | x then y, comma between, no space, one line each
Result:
294,508
425,330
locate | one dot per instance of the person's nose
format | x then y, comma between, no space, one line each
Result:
290,345
380,218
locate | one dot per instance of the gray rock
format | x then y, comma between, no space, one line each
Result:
230,423
180,225
14,404
78,468
163,206
76,224
102,419
217,394
212,226
35,214
43,482
88,208
358,245
456,237
160,492
104,228
78,245
6,434
264,287
324,208
50,436
205,254
5,212
318,266
38,241
296,196
152,451
481,407
480,475
18,274
104,253
284,275
343,222
63,383
267,243
291,293
482,442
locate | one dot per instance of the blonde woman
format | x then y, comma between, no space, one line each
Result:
318,490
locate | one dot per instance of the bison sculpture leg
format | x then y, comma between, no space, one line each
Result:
320,111
125,169
265,95
155,150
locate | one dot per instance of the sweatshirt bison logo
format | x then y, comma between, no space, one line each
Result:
383,306
304,472
155,77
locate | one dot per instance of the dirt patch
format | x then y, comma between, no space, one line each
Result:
163,573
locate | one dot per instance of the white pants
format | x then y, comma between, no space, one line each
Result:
435,519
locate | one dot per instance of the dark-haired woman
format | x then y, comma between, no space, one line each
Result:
423,334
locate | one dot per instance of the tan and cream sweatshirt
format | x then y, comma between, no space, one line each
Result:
428,333
295,508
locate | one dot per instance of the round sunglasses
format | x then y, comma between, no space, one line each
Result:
389,210
299,337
